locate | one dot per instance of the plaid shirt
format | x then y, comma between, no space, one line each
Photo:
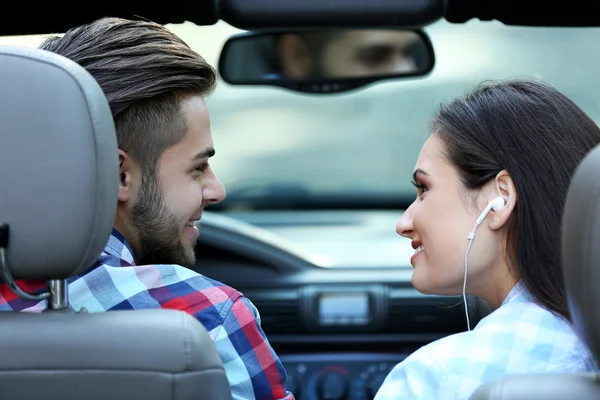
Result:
115,283
519,337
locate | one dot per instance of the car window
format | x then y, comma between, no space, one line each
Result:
276,144
272,142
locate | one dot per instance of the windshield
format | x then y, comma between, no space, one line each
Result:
280,149
283,149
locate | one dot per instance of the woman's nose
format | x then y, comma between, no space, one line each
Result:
404,227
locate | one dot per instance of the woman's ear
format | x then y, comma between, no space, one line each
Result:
503,187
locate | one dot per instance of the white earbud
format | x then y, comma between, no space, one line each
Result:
496,204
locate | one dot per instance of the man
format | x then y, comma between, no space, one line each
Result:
155,85
350,53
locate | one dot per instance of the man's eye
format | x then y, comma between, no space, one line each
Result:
202,167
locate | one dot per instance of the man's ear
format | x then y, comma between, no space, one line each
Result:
503,187
128,172
294,57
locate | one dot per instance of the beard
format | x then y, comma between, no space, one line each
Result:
159,230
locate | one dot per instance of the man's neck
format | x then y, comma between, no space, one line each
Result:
128,233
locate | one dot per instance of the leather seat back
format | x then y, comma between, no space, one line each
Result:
58,199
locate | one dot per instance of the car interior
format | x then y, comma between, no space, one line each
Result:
317,169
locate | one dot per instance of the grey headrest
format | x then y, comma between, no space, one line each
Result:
58,164
581,250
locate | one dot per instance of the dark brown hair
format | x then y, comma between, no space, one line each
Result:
145,70
538,136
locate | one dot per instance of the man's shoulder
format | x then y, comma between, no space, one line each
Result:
111,285
173,272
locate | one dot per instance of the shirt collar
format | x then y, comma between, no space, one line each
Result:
117,246
515,292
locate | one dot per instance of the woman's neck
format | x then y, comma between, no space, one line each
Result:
496,288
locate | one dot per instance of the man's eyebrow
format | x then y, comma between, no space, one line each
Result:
418,172
204,154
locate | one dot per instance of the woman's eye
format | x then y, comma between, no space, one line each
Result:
421,188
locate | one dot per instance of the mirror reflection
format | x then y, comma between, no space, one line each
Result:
348,54
325,55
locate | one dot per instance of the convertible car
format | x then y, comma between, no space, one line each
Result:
317,160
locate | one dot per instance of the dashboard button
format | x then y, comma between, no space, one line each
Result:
374,382
333,385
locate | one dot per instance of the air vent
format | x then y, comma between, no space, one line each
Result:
279,312
412,312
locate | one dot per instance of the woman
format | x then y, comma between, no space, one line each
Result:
519,141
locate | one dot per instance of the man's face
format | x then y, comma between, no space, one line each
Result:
170,203
359,53
349,54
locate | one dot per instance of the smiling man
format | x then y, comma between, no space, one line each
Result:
156,87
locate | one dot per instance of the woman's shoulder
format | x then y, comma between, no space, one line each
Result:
522,323
519,337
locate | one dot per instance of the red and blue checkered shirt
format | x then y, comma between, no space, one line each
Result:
115,283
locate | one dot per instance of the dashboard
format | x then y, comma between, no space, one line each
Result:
338,331
352,376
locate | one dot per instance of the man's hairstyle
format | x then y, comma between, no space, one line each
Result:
145,70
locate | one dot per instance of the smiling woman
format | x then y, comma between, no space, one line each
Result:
482,169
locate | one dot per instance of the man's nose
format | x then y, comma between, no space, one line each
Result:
214,191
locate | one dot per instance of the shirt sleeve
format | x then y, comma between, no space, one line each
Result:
419,376
253,369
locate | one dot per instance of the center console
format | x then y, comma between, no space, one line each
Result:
343,340
345,376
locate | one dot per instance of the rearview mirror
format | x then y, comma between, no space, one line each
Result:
325,61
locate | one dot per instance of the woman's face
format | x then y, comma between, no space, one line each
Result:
438,222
